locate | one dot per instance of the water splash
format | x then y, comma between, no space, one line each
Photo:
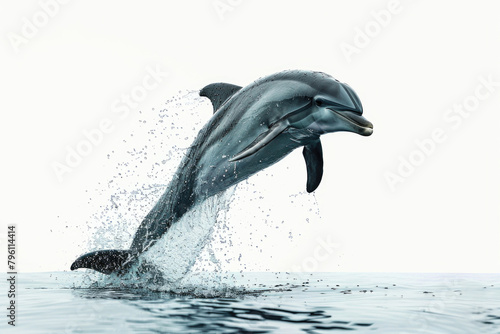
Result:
176,253
167,265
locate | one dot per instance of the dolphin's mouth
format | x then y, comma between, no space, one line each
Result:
364,126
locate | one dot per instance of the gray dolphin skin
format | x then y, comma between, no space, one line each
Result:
251,129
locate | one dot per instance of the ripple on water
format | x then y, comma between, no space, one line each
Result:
385,303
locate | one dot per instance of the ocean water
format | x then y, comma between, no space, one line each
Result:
84,302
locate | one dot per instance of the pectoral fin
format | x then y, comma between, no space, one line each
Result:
262,140
313,154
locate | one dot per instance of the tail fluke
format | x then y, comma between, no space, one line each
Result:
104,261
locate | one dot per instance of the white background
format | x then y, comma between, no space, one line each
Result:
425,58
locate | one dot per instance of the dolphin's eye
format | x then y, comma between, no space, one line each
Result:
319,102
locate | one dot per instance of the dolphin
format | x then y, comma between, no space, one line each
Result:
252,128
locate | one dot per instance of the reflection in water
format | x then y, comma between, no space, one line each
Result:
223,315
263,303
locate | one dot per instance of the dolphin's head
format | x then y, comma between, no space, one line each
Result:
336,107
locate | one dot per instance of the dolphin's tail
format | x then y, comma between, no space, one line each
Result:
105,261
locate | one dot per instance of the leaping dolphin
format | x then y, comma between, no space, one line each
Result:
251,129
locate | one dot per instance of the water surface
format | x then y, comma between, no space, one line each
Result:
80,302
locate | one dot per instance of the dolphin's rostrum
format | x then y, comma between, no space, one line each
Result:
252,128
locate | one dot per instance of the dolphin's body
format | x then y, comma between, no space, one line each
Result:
252,128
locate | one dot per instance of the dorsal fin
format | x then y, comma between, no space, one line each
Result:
218,93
